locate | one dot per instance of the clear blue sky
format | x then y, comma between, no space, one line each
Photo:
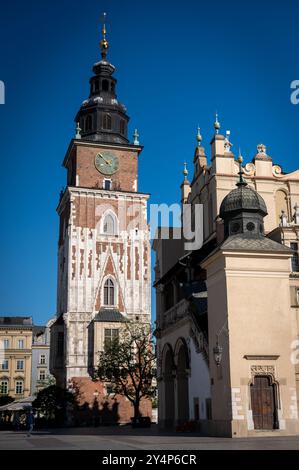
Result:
177,62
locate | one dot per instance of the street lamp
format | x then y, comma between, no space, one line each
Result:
217,350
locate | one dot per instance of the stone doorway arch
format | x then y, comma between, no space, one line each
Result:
182,360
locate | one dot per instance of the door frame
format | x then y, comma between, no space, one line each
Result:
276,401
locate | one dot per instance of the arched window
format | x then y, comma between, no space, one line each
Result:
112,87
122,126
109,225
107,122
105,85
109,293
88,123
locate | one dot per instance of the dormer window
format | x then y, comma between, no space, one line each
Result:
107,122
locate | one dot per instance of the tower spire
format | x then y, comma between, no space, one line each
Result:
185,171
104,44
241,181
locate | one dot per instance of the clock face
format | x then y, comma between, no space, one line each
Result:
106,162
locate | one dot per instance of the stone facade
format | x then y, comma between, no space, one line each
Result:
40,369
104,270
238,300
15,356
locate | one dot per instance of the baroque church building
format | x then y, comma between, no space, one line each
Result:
104,273
227,322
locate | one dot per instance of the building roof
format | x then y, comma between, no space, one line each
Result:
247,243
38,330
16,321
243,198
109,315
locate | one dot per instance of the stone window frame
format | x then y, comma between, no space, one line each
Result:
115,287
2,381
18,361
42,359
115,231
19,386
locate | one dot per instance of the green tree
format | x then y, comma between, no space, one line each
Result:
128,364
5,399
52,401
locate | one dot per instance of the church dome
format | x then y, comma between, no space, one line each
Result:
243,198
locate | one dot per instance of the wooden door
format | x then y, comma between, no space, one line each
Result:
263,403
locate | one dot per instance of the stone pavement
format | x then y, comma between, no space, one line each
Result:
125,438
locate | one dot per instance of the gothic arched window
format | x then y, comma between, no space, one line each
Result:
109,292
88,123
109,225
107,122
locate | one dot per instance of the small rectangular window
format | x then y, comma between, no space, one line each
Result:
19,387
42,359
295,257
42,375
20,364
21,344
4,365
107,184
4,387
6,344
110,335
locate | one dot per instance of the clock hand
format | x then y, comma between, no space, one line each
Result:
106,161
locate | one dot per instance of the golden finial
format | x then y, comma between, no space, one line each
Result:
198,137
104,44
240,158
217,124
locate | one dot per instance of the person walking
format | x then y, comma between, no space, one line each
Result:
30,423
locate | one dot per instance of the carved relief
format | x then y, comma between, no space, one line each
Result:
263,370
276,170
249,169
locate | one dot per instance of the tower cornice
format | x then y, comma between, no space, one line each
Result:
91,143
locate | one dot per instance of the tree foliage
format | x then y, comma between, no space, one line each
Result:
5,399
52,402
128,364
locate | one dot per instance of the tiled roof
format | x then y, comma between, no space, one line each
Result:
109,315
244,242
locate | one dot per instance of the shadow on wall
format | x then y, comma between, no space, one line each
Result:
99,414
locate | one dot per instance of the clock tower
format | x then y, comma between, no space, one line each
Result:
104,243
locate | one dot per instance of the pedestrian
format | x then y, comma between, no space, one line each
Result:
30,422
